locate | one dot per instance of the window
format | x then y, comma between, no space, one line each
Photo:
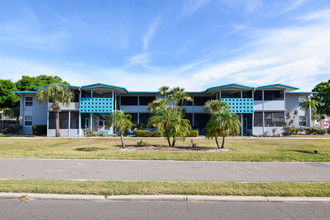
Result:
129,100
28,120
258,119
302,121
274,95
230,94
64,120
258,95
145,100
200,101
74,120
247,94
274,119
28,101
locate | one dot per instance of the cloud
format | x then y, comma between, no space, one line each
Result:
191,6
138,59
148,36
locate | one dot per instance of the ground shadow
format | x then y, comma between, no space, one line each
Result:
87,149
304,151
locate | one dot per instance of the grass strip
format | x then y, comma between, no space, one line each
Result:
161,187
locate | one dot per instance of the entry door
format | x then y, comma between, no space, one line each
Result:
245,126
101,125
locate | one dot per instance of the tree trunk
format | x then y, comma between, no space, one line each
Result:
169,142
223,141
173,142
57,121
216,141
122,141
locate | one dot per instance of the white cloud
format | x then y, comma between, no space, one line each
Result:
148,36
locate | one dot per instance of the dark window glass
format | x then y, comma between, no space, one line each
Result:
85,94
201,120
247,94
186,103
28,120
28,101
302,121
74,120
230,94
258,119
274,95
200,100
64,120
134,118
129,100
274,119
258,95
189,117
76,95
145,100
144,118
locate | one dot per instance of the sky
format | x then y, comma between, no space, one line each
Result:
144,44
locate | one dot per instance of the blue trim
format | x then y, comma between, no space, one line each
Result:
25,92
301,93
142,92
277,85
73,87
105,85
229,85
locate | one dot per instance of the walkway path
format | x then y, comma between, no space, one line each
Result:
163,170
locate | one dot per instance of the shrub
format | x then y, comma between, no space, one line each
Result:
89,132
143,133
39,129
315,130
156,134
140,126
193,133
15,127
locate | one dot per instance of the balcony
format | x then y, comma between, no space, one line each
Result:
239,105
96,105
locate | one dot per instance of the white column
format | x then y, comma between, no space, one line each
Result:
91,121
91,93
253,111
242,127
220,94
193,119
69,122
138,117
111,129
79,118
241,93
263,112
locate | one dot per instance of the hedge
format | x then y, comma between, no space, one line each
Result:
13,128
39,129
144,133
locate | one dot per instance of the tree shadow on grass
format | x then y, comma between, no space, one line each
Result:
88,149
304,151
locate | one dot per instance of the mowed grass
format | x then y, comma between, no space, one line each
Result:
270,149
156,188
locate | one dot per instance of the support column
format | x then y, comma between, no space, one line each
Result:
263,112
79,118
138,117
112,131
241,93
69,122
91,121
252,111
220,94
193,119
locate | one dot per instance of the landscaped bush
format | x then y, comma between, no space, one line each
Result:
39,129
143,133
289,131
315,130
193,133
13,128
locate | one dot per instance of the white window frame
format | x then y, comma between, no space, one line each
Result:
25,120
28,101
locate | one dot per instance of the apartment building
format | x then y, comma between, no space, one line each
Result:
263,110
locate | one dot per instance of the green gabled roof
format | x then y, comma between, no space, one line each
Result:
104,85
277,85
229,85
73,87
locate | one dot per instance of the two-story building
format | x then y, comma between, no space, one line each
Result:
263,110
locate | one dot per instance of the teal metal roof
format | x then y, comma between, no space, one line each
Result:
277,85
104,85
73,87
229,85
25,92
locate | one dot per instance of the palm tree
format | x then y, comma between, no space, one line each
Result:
170,122
162,90
222,123
309,103
12,113
213,106
120,121
156,104
58,94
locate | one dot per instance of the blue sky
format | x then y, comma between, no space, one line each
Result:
142,45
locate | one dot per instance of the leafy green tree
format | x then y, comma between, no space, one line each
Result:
213,106
28,83
222,123
323,97
309,103
12,113
7,98
157,104
163,90
58,94
120,121
170,123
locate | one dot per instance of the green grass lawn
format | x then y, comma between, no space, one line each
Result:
270,149
156,188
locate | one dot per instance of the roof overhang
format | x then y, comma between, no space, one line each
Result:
25,92
229,86
278,86
105,86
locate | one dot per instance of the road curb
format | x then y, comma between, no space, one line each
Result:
191,198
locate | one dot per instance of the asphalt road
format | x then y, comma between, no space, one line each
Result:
164,170
76,209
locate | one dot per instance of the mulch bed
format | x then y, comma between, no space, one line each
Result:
176,149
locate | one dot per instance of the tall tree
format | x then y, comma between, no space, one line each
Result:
7,98
222,123
323,97
213,106
12,113
28,83
163,90
309,103
58,94
120,121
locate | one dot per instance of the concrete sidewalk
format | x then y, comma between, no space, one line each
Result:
137,170
38,196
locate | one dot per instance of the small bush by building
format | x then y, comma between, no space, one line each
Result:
39,129
144,133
